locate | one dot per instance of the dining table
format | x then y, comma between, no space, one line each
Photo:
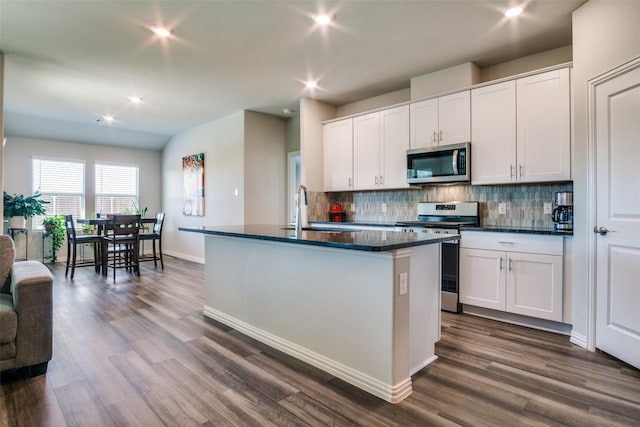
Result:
101,224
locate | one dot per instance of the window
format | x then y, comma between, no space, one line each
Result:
61,183
116,188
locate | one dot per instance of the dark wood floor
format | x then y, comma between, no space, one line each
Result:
139,352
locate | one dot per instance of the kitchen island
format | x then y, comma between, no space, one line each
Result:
361,305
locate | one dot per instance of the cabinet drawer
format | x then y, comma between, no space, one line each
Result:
512,242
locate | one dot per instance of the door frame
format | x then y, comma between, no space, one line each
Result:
592,217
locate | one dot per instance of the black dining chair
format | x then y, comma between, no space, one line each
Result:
155,235
73,241
122,244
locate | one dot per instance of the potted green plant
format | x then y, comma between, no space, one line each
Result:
18,208
54,226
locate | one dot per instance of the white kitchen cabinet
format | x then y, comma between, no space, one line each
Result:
521,130
366,151
394,143
515,273
482,280
380,145
543,123
493,130
338,155
441,121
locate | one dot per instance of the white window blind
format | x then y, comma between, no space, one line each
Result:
116,188
61,183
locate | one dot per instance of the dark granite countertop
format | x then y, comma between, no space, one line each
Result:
356,223
524,230
362,240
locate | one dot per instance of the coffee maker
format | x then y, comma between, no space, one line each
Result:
563,213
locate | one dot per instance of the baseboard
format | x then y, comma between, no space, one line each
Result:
578,339
516,319
184,256
423,365
390,393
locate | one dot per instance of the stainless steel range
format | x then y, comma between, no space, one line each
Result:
445,218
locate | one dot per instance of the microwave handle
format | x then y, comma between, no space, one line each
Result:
454,162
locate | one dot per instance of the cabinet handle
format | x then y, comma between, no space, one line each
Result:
440,136
434,137
500,263
377,180
381,180
505,242
520,170
349,182
511,171
510,264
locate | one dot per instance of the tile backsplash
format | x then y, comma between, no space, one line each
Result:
524,202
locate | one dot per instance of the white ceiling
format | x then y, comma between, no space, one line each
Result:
69,62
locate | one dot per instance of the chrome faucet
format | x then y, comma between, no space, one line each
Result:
299,207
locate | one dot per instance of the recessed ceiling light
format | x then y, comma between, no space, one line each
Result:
323,19
514,11
135,99
162,32
106,119
311,84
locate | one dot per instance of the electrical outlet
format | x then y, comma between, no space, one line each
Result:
353,207
547,209
502,208
404,284
384,207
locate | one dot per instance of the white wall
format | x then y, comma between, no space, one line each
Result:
222,143
265,169
244,151
391,98
527,63
312,114
446,80
606,34
18,177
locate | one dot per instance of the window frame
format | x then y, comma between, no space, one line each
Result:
98,178
37,224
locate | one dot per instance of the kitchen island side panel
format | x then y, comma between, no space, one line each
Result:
327,305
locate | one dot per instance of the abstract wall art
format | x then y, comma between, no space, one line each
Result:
193,185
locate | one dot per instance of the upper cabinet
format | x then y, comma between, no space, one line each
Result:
544,127
521,130
338,155
441,121
380,144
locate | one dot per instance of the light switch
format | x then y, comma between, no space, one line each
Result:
353,207
547,208
384,207
502,208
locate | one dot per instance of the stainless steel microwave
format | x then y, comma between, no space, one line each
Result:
446,163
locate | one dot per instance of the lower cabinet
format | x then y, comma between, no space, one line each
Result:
519,274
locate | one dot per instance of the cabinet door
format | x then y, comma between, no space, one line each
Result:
483,278
454,118
493,146
424,123
534,285
366,151
338,155
543,118
394,143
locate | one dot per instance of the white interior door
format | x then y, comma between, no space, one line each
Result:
617,133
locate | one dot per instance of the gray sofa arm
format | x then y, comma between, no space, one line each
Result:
32,288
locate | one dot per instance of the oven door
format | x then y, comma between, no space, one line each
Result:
450,274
